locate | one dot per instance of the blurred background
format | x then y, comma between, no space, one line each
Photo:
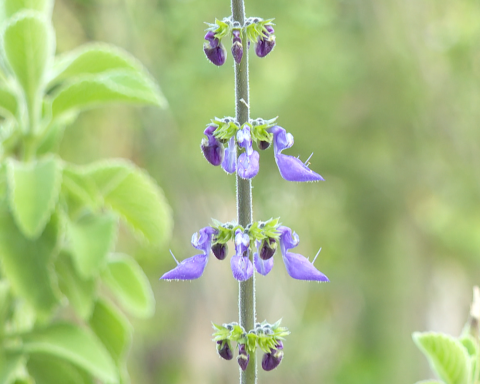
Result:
387,96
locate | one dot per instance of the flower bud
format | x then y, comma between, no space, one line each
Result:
224,350
220,251
237,47
243,357
268,248
266,43
214,50
272,360
262,145
212,148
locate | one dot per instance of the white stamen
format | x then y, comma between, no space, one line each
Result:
174,258
244,102
316,255
308,158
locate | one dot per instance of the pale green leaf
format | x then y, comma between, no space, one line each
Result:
74,344
136,197
130,285
13,6
34,189
47,369
10,367
8,102
429,382
447,356
97,90
91,237
93,59
112,328
5,304
77,183
79,291
472,347
29,46
28,263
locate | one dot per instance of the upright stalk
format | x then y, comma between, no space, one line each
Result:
246,297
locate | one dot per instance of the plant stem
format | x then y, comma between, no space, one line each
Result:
246,297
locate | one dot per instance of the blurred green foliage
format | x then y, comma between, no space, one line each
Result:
386,94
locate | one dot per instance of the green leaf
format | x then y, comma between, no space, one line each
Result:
74,344
8,103
130,285
447,356
471,345
34,189
132,194
429,382
91,238
29,46
77,183
80,292
93,59
97,90
13,6
10,366
112,328
27,263
51,370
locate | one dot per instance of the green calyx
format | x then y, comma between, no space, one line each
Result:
253,29
228,127
265,336
258,230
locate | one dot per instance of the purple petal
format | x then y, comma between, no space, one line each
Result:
189,269
242,267
265,46
288,240
262,266
203,239
237,47
244,139
214,50
300,268
293,169
211,147
230,159
248,166
224,349
272,360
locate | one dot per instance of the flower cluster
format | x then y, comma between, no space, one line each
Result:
268,337
255,30
261,238
263,132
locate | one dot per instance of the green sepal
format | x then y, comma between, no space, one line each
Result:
255,30
225,131
221,28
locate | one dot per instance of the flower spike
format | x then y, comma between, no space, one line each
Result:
291,168
193,267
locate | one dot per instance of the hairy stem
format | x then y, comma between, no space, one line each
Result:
246,297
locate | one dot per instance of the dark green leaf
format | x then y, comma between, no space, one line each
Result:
47,369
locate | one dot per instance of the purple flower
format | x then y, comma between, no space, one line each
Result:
193,267
272,360
237,47
243,357
248,162
265,43
297,265
291,168
242,267
214,49
262,266
212,148
230,159
220,251
224,349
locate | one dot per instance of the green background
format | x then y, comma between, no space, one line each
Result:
386,95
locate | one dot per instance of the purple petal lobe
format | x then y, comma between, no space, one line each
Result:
268,248
229,161
189,269
248,166
262,266
300,268
288,240
243,357
237,47
291,168
203,239
211,147
264,46
214,50
242,267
